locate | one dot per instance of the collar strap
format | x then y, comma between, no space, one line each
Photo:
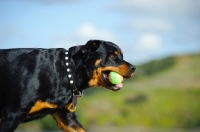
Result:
76,92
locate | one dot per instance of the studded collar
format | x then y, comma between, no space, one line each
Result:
69,69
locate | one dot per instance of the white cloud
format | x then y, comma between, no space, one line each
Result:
147,46
81,35
151,24
88,31
148,43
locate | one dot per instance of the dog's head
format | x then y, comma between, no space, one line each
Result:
102,57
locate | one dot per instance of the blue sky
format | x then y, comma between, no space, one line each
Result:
144,29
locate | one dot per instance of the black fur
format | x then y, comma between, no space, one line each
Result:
31,75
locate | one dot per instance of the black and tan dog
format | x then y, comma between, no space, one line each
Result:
37,82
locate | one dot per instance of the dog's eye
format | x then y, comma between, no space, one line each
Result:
113,56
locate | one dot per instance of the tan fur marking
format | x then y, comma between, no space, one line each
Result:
80,130
122,52
97,62
122,69
61,124
65,128
96,79
116,52
39,105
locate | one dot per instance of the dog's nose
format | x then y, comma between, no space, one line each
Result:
132,68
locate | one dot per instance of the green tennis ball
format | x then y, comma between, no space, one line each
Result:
115,78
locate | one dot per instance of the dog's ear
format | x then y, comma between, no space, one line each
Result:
91,46
81,52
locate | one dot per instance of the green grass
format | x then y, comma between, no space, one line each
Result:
166,108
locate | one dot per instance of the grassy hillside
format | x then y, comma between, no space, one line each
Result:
162,94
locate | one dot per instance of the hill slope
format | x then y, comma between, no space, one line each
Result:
176,71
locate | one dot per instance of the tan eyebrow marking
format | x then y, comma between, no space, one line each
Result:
116,52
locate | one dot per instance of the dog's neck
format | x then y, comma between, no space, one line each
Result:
70,75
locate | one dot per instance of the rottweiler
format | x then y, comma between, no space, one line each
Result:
35,82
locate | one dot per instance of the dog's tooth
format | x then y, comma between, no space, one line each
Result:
68,69
67,64
66,58
69,75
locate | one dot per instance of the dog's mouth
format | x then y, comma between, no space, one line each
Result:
108,84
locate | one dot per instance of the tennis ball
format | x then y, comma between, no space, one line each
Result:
115,78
